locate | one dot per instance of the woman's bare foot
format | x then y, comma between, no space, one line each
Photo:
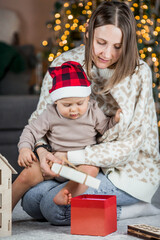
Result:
63,197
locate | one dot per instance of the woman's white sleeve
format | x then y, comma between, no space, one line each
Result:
76,157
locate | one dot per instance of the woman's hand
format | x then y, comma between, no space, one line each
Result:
46,160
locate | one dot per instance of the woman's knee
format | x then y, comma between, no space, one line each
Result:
29,177
24,177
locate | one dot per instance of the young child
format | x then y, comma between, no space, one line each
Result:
70,123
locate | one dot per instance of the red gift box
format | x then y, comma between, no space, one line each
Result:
93,215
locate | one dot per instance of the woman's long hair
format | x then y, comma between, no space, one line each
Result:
119,15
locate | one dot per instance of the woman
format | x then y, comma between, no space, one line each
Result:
128,155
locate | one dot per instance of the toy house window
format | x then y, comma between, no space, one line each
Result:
9,183
0,220
9,225
0,200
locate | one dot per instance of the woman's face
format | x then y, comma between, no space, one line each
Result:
107,46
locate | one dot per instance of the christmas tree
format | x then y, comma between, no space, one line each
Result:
68,26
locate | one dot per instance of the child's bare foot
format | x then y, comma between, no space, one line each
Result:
63,197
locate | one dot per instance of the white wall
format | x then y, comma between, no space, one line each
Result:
33,15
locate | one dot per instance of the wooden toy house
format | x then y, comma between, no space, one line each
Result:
6,171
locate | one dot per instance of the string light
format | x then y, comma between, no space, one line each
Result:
66,33
135,5
58,21
157,75
49,25
143,55
68,12
154,59
145,7
80,4
155,33
44,43
66,48
57,15
58,54
70,17
89,3
149,49
67,25
137,17
51,57
66,4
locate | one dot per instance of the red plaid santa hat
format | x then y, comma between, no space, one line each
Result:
69,80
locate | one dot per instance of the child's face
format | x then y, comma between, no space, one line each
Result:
73,107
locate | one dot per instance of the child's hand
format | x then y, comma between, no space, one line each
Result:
117,116
26,157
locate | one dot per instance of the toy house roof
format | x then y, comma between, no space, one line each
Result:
7,163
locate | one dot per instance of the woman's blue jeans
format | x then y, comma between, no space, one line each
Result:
38,201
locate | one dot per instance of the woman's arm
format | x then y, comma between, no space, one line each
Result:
136,132
46,159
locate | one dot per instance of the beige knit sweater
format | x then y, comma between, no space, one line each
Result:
129,154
